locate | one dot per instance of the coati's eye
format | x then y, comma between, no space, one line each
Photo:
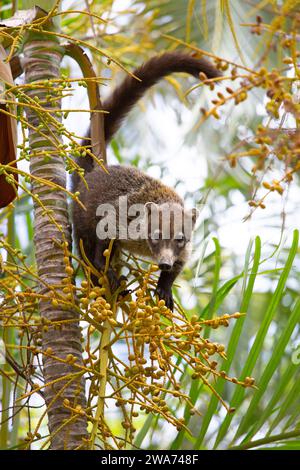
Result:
180,240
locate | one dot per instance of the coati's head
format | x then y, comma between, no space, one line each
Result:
170,228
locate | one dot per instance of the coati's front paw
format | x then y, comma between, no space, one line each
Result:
166,295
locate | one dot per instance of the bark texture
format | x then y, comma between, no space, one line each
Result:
42,62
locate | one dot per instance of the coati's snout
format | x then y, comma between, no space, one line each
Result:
166,253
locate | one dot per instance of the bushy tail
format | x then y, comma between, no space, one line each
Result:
126,95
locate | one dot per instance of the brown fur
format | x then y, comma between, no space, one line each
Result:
127,181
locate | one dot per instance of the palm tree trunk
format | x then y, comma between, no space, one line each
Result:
67,428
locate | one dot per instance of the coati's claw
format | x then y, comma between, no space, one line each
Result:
166,295
114,281
124,293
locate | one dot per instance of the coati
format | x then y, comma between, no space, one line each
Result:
169,252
